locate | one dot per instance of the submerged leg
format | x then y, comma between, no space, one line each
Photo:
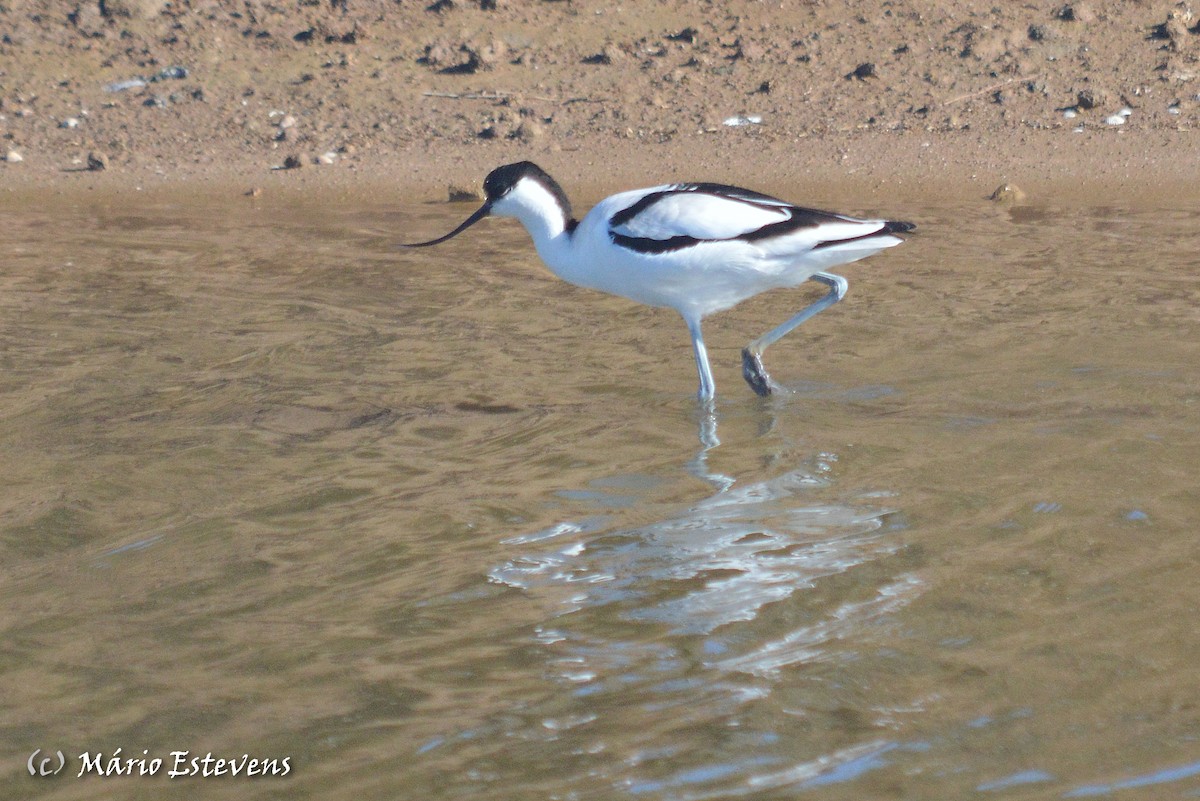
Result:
707,387
752,366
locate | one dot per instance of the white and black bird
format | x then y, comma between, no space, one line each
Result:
696,248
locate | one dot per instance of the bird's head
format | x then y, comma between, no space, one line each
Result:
514,190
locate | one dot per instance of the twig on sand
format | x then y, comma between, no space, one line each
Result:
484,96
987,89
504,95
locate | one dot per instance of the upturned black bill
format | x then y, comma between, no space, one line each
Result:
483,211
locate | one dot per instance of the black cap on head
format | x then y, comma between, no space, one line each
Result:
501,180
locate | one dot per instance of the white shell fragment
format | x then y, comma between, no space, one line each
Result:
1116,119
121,86
743,119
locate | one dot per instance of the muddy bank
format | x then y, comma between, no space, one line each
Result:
406,98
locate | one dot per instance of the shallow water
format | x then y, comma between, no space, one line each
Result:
434,525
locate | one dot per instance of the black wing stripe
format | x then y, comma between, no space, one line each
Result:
801,219
625,215
735,192
645,244
642,244
756,199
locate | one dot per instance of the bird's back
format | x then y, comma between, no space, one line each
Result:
705,247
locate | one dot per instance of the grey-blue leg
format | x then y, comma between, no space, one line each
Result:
752,366
707,387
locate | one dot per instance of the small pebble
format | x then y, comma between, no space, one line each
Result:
1173,110
1077,12
1090,98
171,73
327,158
293,162
863,71
1116,119
1008,194
612,53
69,122
1070,114
464,194
97,161
13,157
529,130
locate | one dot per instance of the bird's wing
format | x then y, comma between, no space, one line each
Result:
681,215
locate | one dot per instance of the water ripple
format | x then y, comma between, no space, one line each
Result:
808,642
709,565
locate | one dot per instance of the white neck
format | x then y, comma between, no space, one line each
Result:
543,217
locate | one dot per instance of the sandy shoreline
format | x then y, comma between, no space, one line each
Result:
1093,168
875,101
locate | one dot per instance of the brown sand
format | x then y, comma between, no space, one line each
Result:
886,97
